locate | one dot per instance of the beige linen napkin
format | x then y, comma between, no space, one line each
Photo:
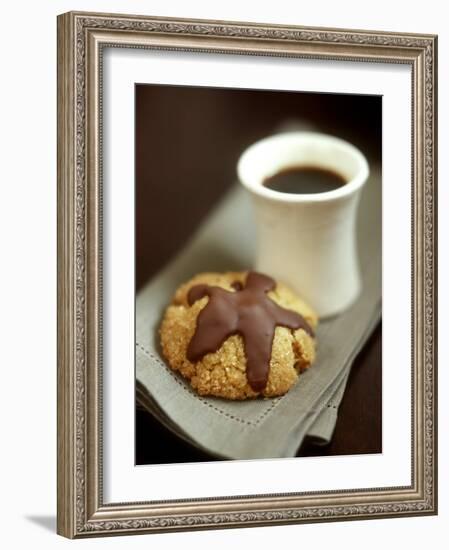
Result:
261,428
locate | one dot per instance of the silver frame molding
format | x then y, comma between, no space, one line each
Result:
81,39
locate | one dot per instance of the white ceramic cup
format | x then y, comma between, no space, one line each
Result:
308,241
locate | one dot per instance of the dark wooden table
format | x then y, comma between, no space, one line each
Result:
187,144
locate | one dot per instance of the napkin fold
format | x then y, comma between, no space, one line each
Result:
260,428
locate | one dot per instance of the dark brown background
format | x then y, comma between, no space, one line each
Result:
188,140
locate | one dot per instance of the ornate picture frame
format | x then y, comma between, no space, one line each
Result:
82,38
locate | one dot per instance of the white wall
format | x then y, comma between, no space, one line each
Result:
28,270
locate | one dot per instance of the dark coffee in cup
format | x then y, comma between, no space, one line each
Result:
304,180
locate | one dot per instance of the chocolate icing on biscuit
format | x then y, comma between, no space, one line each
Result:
249,312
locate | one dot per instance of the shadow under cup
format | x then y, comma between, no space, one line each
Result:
307,240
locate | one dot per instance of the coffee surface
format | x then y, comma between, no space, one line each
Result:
304,180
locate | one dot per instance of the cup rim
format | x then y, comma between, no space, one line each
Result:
347,189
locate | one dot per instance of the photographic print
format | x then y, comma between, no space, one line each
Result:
258,273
